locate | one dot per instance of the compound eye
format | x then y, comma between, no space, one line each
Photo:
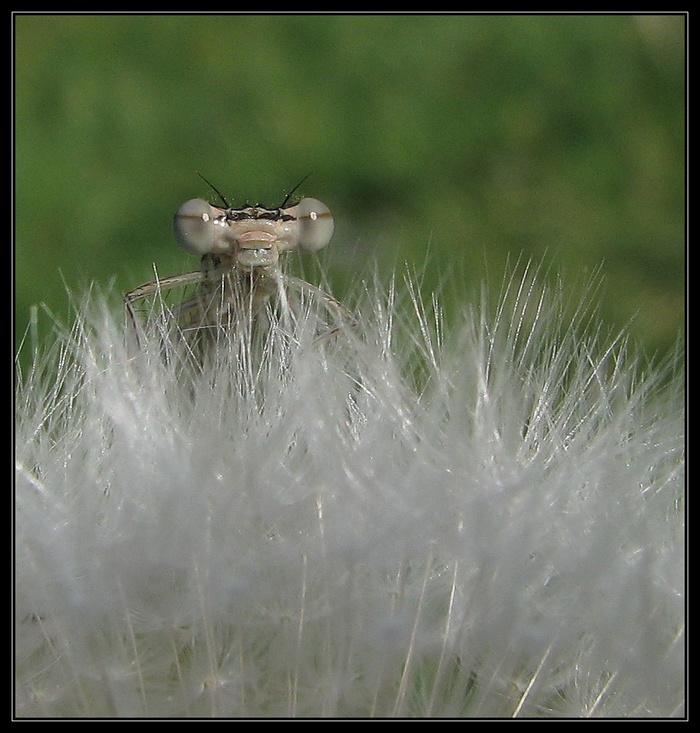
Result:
196,227
315,225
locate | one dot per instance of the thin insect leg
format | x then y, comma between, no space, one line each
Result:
163,284
341,315
151,288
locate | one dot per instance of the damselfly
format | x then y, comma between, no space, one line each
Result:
240,269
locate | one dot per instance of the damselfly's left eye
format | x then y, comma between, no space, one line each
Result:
196,227
315,225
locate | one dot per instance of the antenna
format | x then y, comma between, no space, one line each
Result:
216,190
289,195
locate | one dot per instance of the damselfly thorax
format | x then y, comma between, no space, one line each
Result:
240,269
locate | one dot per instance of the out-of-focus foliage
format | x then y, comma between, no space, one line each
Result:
470,138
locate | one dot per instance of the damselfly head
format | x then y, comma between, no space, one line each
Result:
201,228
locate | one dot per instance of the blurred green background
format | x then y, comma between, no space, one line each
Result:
469,139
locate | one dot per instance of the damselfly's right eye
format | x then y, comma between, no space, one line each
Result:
315,225
196,226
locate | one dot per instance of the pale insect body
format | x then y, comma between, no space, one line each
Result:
240,262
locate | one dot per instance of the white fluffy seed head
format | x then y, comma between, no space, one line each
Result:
294,530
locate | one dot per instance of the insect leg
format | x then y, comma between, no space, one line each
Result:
338,319
156,287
